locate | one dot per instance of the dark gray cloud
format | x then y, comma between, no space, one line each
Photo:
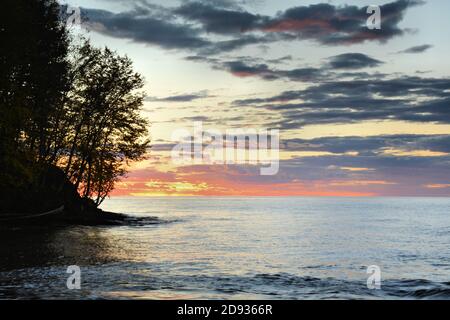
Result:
332,25
219,20
189,97
337,101
192,25
223,46
243,69
417,49
253,67
405,86
141,26
371,145
353,61
196,119
161,28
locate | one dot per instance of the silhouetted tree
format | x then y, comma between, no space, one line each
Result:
64,104
106,129
33,69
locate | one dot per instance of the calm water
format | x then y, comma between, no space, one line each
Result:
240,248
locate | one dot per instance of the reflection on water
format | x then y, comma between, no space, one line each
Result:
30,247
277,248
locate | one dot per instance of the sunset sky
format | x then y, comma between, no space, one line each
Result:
360,112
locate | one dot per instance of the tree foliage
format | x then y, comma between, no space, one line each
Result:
65,104
33,69
106,129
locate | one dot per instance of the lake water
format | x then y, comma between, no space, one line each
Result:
240,248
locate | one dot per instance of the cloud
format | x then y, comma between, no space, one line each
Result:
437,186
371,146
324,23
245,67
241,69
417,49
195,25
219,20
281,60
353,61
333,25
141,26
182,97
224,46
364,89
408,173
347,101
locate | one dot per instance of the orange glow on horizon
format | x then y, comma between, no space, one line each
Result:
229,188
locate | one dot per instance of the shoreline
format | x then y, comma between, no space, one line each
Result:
98,218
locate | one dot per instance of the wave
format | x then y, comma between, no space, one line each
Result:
120,280
133,221
288,286
292,287
419,289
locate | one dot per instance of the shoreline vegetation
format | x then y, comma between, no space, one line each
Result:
71,118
